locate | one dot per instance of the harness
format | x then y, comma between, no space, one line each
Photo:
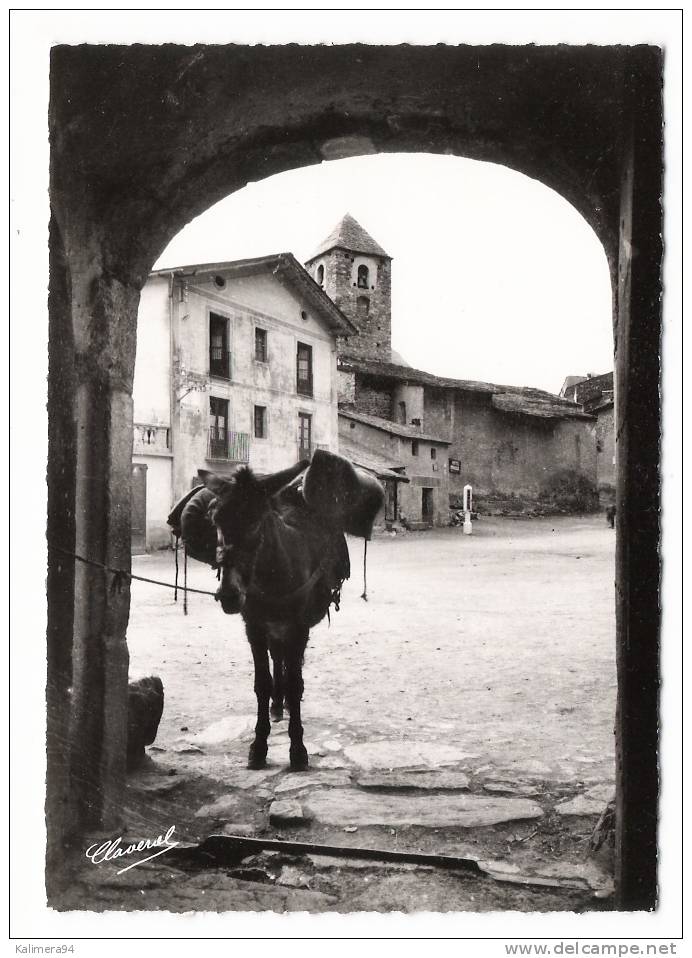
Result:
224,557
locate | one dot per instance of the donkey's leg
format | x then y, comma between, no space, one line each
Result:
277,707
263,686
293,676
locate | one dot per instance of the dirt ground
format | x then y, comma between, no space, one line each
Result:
491,656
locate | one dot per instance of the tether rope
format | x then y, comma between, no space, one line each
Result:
120,574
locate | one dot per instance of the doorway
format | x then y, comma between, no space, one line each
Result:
427,506
390,500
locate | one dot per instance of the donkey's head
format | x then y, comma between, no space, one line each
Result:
244,500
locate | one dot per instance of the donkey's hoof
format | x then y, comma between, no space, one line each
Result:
257,757
277,713
299,758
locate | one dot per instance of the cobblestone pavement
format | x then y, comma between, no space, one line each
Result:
466,708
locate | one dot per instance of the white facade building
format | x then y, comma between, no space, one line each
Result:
236,363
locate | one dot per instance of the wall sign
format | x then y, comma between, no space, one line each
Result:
455,466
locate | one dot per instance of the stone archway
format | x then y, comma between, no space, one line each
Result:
145,138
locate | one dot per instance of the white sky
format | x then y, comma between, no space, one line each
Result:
494,276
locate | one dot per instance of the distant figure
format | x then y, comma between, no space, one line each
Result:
610,516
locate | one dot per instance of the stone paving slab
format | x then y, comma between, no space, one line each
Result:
228,729
330,761
511,788
398,754
246,778
591,802
346,807
585,876
278,751
444,781
287,812
299,781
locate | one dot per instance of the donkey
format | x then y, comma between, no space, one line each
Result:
283,558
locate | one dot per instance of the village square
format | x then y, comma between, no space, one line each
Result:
466,707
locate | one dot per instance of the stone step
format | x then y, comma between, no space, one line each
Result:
348,807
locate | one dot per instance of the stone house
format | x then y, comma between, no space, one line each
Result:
236,363
596,394
410,454
509,443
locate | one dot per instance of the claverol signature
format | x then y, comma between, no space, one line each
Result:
112,849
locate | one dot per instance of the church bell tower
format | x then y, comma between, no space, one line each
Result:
355,272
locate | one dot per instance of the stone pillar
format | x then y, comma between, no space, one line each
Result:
60,582
92,352
637,424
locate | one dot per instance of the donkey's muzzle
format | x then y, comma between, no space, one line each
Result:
230,598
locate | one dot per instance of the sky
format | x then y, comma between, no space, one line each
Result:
495,277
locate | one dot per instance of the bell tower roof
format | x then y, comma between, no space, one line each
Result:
349,234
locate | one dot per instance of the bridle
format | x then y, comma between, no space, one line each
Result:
224,559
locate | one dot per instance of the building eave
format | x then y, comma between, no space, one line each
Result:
393,428
286,268
521,400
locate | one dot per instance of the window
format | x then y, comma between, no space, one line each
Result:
304,435
362,306
219,353
363,276
304,370
260,422
402,413
261,345
320,274
218,428
433,453
414,447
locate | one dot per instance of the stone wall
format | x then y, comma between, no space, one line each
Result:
368,309
426,469
373,398
411,396
509,459
438,411
605,454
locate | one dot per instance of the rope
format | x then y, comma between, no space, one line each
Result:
121,574
364,596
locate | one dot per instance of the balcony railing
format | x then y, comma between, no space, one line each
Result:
219,362
228,445
151,440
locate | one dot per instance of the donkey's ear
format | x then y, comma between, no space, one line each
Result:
217,484
277,480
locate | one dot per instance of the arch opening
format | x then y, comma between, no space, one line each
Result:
604,161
